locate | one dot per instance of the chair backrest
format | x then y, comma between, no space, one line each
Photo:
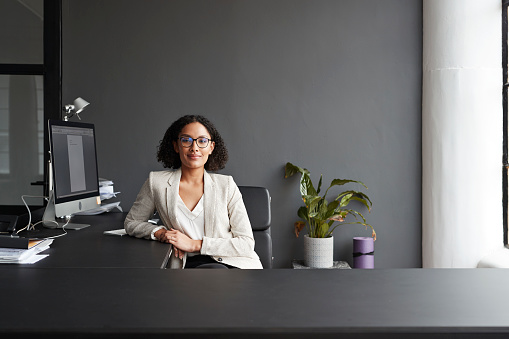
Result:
257,201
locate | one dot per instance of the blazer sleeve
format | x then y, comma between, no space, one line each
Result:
236,236
136,223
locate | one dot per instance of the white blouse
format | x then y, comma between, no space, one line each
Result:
191,222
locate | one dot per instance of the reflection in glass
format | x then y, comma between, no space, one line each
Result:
21,27
21,136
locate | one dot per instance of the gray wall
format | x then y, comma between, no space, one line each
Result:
333,86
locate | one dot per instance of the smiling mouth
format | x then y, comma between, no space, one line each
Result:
193,156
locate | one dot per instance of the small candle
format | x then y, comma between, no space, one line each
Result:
363,252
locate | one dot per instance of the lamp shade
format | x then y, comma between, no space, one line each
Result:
80,104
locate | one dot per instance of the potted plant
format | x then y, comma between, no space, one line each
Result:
322,217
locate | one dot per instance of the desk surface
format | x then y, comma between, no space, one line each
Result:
93,285
396,303
89,247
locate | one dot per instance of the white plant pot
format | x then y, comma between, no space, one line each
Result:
318,252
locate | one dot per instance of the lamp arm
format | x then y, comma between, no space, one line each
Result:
68,112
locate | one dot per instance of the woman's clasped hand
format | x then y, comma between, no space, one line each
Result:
181,242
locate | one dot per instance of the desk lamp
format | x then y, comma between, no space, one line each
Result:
78,107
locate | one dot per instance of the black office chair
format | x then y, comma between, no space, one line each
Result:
257,201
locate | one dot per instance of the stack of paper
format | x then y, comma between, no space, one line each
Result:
106,189
106,192
25,255
101,209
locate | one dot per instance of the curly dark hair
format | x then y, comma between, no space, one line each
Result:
170,159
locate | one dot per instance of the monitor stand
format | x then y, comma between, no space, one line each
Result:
49,217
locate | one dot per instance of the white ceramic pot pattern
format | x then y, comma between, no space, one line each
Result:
318,252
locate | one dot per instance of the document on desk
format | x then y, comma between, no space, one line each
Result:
21,256
17,242
33,259
119,232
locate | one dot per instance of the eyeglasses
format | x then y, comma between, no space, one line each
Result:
202,142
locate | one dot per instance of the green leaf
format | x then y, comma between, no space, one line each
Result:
340,182
356,214
359,195
320,207
319,184
311,199
291,169
323,209
306,186
345,199
323,230
303,213
331,209
356,195
362,201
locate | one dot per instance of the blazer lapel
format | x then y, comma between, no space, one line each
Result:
209,204
172,192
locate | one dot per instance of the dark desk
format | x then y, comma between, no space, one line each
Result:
89,247
398,303
76,293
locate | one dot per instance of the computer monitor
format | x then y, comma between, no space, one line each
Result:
73,179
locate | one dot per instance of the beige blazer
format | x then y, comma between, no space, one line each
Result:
228,237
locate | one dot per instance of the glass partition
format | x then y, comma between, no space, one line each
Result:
22,28
21,137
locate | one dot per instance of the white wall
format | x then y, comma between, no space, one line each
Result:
462,131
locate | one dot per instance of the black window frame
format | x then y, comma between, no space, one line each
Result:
50,69
505,89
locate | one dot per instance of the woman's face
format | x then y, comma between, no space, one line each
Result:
191,154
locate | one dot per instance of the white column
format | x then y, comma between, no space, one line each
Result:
461,131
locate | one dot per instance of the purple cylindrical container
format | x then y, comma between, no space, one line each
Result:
363,252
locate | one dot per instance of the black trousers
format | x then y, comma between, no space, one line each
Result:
204,261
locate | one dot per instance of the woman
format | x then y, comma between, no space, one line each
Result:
204,217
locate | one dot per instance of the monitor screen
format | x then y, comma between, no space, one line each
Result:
74,166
